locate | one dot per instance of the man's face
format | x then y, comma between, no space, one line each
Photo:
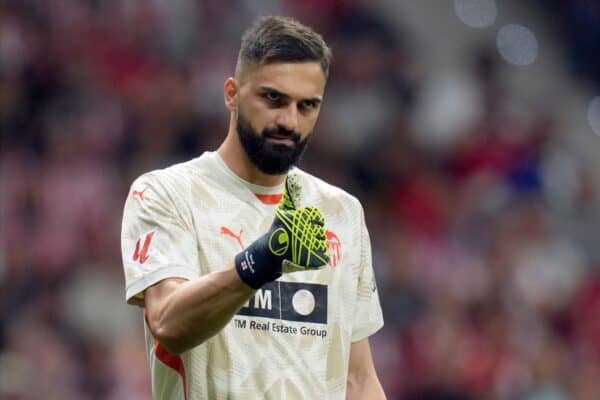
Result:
277,111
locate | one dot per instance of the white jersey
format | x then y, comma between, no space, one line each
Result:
292,339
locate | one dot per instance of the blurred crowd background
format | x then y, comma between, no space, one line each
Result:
476,169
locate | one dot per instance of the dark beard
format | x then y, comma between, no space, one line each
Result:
269,158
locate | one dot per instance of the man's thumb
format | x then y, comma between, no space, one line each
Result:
291,193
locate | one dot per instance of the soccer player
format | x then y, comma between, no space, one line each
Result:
255,276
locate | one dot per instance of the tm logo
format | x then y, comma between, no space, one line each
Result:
289,301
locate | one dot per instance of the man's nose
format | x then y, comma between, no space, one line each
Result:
288,118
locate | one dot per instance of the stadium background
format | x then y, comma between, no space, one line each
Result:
468,128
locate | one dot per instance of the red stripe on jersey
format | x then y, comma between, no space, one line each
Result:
171,360
269,199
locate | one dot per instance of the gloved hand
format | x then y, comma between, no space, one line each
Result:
295,242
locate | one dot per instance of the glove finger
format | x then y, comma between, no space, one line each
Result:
289,267
291,193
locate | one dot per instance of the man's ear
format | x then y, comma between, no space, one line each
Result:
230,92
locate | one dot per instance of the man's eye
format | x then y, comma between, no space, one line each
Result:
272,96
308,105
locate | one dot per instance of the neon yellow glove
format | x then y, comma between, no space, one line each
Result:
295,242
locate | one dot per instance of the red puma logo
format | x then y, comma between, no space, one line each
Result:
139,193
143,255
226,231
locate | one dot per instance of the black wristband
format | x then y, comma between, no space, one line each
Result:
250,272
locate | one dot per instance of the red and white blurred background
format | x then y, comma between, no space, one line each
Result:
469,129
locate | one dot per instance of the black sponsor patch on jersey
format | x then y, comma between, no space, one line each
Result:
289,301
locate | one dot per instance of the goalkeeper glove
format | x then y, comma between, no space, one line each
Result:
295,242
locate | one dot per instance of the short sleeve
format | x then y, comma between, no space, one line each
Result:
156,243
368,317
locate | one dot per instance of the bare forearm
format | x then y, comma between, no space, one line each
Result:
368,388
196,310
362,379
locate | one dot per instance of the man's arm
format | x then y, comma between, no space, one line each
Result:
182,314
362,379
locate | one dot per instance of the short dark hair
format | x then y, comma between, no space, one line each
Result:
275,39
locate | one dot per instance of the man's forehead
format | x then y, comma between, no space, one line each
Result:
294,79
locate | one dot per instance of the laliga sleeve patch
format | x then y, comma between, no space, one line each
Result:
142,247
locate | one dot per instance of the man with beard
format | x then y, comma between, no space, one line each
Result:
255,277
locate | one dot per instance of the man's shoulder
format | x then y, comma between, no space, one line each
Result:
325,190
176,174
171,184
